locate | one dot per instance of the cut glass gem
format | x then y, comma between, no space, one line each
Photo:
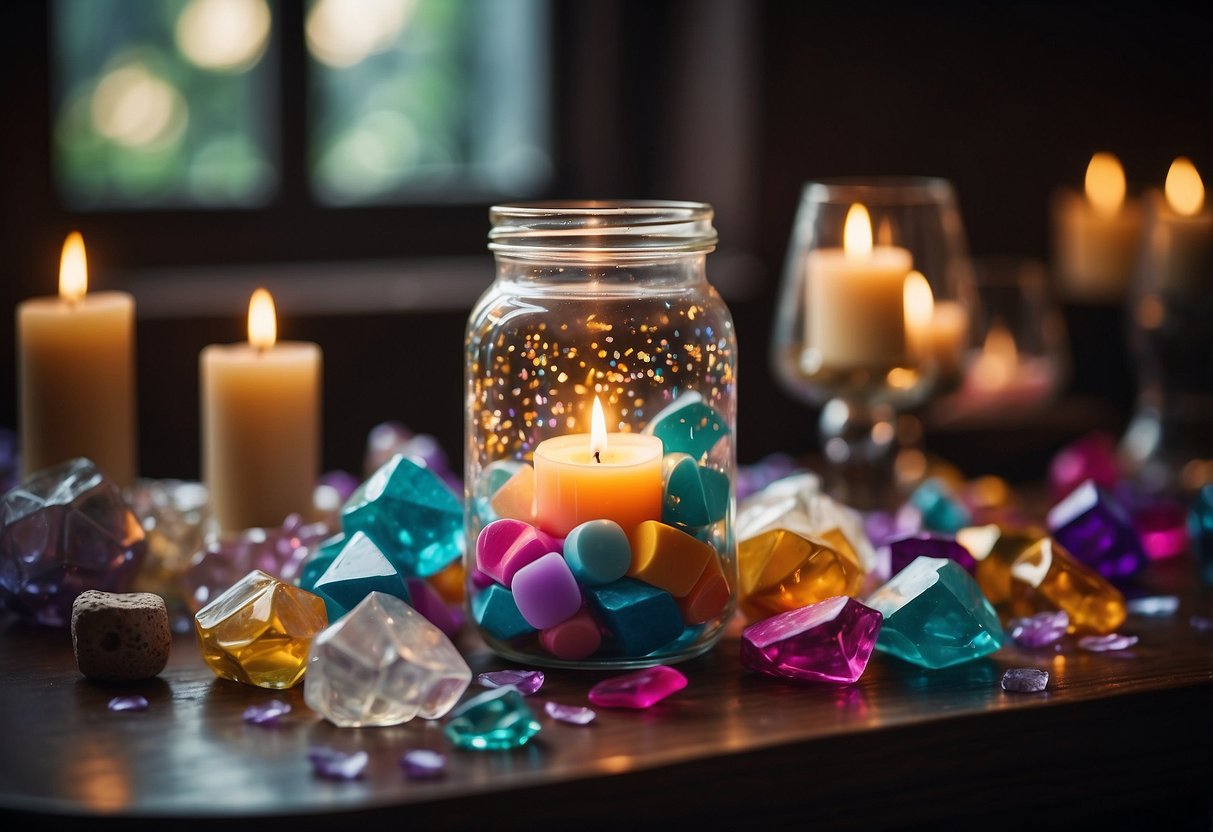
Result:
829,641
781,570
1093,457
639,690
942,511
267,713
1105,644
904,550
494,610
128,703
1040,630
526,681
1098,531
495,720
337,765
995,549
1045,577
1025,680
572,714
358,570
423,764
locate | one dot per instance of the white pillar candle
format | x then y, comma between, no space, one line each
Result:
260,424
76,364
1181,237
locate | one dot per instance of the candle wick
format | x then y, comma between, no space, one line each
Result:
597,458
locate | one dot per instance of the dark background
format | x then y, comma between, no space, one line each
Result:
728,101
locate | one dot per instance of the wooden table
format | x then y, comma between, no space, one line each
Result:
1117,738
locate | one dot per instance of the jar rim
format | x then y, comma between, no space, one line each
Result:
879,190
607,226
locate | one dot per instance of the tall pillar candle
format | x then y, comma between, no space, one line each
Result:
76,368
260,423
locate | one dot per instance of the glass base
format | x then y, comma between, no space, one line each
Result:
860,444
677,652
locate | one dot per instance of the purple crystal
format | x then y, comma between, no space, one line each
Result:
10,460
1093,457
1025,680
266,713
337,765
423,764
526,681
128,703
278,552
883,527
426,600
1201,624
572,714
1097,530
1040,630
642,689
753,478
830,641
390,438
1108,643
63,530
904,550
1154,606
343,483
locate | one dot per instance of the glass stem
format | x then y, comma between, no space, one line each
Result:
859,443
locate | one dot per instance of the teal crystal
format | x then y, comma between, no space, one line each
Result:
935,616
694,496
496,720
410,514
688,426
358,570
318,561
497,614
942,511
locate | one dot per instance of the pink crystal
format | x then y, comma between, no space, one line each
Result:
128,703
1163,527
830,641
1093,457
526,681
266,713
1040,630
572,714
423,764
642,689
1108,643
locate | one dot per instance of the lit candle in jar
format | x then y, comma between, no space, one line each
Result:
936,331
1182,236
597,476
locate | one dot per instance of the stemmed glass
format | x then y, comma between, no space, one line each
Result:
873,315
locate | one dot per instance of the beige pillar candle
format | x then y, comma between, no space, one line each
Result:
76,368
936,332
260,424
1181,234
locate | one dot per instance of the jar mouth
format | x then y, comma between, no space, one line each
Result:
880,190
602,227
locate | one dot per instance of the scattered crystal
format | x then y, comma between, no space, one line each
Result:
935,616
1154,606
128,703
332,490
996,549
176,518
1201,624
904,550
572,714
63,530
515,498
266,713
829,641
1097,530
318,560
1200,530
423,764
411,515
883,526
495,720
427,601
358,570
1108,643
1093,457
1025,680
942,510
526,681
1045,577
1040,630
258,632
1162,527
639,690
383,664
780,570
337,765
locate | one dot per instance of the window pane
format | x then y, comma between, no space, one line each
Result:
164,102
426,99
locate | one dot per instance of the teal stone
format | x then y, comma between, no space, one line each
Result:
693,496
358,570
640,617
688,426
410,514
496,720
598,552
935,616
494,610
318,561
941,510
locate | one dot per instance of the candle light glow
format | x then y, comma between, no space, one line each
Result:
1105,184
1184,189
73,268
999,359
262,320
857,233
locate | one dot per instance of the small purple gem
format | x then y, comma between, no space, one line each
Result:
343,483
1154,606
904,550
572,714
266,713
526,681
426,600
640,690
1106,644
1025,680
883,527
128,703
1201,624
1040,630
423,764
1096,529
336,765
830,641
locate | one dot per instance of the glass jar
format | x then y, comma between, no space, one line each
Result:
608,544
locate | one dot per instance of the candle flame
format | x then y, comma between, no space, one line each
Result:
996,365
73,268
857,232
262,320
1185,192
919,302
598,431
1105,184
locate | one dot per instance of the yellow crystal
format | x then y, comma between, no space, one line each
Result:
781,570
1046,577
259,631
996,549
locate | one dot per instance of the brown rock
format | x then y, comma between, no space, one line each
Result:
120,636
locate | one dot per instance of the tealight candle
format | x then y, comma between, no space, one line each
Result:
260,423
937,331
1182,235
76,362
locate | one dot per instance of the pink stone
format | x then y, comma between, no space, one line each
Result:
572,640
1093,457
505,546
830,641
546,592
639,690
1163,529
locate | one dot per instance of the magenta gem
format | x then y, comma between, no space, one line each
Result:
505,546
830,641
128,703
1040,630
642,689
1093,457
423,764
1163,527
266,713
337,765
1108,643
572,714
426,600
526,681
904,550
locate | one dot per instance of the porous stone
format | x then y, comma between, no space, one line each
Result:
120,637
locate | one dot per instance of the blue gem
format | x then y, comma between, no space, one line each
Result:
641,618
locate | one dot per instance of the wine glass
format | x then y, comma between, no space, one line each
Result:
873,315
